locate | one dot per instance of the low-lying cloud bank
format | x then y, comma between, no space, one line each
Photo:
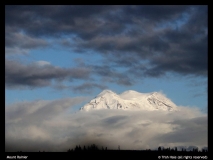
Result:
50,126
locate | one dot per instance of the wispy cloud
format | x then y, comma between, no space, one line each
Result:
87,87
19,43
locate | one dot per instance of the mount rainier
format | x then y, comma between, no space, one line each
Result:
130,100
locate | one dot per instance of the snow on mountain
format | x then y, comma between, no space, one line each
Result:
130,100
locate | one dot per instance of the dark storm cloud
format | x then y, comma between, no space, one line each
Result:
23,41
188,53
169,38
47,125
37,19
156,12
56,20
189,58
39,74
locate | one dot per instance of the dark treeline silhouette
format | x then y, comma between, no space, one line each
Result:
90,151
160,149
94,147
182,150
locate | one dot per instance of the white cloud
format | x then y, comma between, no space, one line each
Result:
47,125
42,63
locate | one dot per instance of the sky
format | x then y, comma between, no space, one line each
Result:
57,58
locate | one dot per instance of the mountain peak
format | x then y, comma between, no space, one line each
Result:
130,100
130,91
106,91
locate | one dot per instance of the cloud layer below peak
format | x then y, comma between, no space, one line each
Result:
49,126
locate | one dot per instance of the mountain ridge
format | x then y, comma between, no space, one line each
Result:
130,100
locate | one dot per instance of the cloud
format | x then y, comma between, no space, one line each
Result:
42,63
39,75
33,18
108,73
87,87
168,38
49,126
34,114
112,17
19,43
40,110
184,129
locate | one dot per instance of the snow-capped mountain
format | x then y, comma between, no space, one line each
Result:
130,100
